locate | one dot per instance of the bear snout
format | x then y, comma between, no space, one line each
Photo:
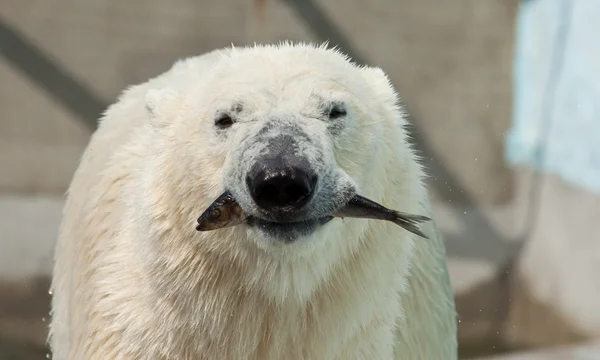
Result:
281,184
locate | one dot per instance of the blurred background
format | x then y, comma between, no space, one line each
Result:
504,106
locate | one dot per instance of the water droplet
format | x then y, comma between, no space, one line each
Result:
43,319
50,292
465,212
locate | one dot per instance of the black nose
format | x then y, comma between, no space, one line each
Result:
275,185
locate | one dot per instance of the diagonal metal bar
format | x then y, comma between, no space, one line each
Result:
23,55
323,27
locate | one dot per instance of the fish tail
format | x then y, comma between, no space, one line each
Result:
411,217
410,225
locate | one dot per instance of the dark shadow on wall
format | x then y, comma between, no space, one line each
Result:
32,62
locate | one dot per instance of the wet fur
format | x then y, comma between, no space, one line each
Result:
133,279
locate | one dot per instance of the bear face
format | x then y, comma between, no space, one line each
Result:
292,140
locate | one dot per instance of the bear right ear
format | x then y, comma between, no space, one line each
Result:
161,105
380,83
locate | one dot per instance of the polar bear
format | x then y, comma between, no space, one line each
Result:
133,279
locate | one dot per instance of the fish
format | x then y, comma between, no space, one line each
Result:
225,212
222,213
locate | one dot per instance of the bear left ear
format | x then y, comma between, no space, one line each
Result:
160,104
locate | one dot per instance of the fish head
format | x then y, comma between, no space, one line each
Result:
223,212
213,219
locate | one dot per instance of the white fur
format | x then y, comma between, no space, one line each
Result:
134,280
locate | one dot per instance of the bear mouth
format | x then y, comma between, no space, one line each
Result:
288,231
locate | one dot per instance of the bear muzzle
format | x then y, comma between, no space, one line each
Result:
281,185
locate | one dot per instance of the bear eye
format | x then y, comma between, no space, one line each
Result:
337,111
224,121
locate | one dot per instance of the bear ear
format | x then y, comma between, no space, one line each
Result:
379,81
375,73
160,104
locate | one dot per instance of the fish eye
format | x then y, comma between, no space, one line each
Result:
215,214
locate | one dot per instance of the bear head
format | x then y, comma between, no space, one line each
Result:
291,131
